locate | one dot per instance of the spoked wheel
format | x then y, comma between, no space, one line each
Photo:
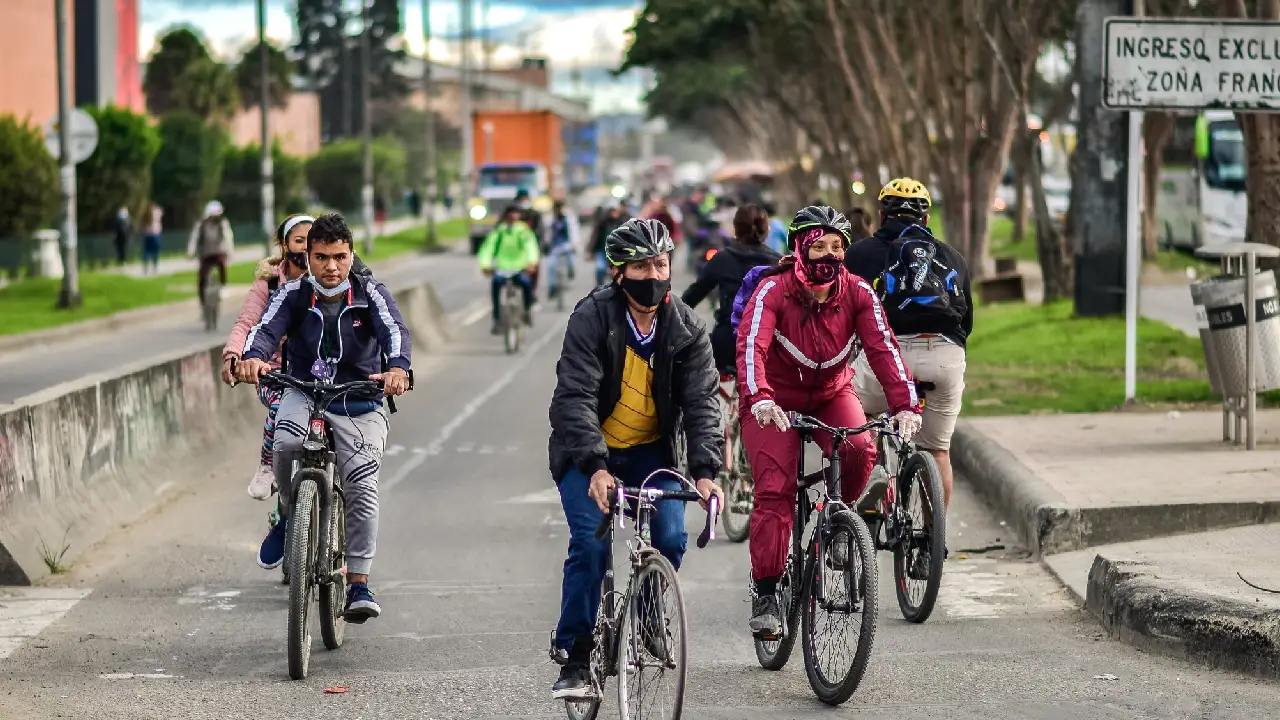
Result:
651,645
301,554
333,595
560,285
512,325
774,654
209,305
601,667
738,494
918,559
840,609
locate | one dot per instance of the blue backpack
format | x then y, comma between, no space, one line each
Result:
916,281
749,283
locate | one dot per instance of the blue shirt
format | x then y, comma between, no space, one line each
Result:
777,240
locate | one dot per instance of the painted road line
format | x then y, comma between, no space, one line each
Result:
25,612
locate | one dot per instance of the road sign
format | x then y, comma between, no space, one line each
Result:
1191,64
84,136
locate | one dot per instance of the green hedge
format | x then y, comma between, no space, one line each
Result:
188,168
119,170
335,173
241,191
29,183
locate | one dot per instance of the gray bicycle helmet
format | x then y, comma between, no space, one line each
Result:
821,216
637,239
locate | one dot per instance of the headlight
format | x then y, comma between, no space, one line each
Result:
478,212
619,192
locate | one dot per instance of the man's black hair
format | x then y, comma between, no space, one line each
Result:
329,228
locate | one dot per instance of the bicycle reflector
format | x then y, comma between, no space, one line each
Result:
711,253
317,426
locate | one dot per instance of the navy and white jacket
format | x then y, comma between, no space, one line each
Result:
370,326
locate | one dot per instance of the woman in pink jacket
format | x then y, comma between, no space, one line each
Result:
289,264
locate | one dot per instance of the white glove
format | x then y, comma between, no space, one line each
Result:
767,411
907,423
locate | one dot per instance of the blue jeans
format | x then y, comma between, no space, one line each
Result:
521,279
585,567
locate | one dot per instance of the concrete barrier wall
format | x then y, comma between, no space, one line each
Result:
80,460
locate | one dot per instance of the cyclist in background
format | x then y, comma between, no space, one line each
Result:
777,239
635,368
924,285
564,242
510,253
614,216
797,333
350,325
860,219
289,264
212,242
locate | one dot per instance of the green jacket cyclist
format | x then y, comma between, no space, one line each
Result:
510,253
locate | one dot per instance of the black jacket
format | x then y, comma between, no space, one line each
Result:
868,258
725,272
602,230
589,385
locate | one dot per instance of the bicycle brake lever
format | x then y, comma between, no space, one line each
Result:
713,513
622,503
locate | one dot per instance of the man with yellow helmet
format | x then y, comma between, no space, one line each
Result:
923,284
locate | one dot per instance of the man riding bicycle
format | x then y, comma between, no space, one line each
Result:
924,286
563,243
510,253
348,325
212,242
636,366
797,332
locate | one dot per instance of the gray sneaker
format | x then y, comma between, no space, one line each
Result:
765,615
877,488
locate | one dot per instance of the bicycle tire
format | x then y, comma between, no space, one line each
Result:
774,654
601,659
561,278
301,553
923,464
837,693
737,526
629,641
333,596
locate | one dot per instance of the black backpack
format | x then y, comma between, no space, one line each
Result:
917,281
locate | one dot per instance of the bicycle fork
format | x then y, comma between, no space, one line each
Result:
320,460
822,539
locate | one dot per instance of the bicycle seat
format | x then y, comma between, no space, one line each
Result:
925,385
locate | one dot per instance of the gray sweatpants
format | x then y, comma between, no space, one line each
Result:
359,442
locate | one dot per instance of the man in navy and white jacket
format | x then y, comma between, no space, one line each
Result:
348,322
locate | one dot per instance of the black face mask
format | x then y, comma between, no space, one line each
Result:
648,292
298,260
823,270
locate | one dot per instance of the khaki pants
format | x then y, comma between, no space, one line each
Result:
930,359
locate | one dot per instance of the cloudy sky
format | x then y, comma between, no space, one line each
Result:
585,34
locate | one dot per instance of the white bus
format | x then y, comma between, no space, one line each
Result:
1202,198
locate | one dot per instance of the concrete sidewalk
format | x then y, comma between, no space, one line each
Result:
1107,501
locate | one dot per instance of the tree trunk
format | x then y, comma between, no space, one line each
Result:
1262,153
1157,128
1052,246
1018,155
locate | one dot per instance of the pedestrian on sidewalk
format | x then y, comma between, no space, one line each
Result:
151,239
123,231
212,242
289,262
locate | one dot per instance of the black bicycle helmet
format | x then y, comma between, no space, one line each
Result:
637,239
821,216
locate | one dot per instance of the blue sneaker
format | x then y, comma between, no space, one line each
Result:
271,553
360,604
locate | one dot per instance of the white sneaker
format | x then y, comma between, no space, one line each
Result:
260,485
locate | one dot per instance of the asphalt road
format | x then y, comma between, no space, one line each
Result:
176,620
22,373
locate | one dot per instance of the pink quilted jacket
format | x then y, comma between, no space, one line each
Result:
254,305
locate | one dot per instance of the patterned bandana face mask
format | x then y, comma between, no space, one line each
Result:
818,273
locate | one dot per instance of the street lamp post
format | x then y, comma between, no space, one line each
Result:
468,147
429,169
264,75
69,296
366,127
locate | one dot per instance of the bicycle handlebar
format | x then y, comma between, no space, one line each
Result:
652,495
806,422
275,377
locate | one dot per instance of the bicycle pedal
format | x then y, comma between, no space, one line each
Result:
767,637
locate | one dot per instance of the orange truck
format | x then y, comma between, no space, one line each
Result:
513,151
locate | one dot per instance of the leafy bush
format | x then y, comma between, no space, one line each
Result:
29,183
335,173
188,168
241,191
119,170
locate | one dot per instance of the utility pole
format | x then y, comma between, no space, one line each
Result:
429,164
468,142
1133,248
345,61
69,296
264,77
366,126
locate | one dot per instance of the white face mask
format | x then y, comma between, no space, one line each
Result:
329,292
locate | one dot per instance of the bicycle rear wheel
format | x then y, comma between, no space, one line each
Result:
652,653
738,495
561,279
333,595
918,559
301,552
512,322
840,604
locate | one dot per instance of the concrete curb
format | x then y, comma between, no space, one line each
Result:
1138,607
1047,524
80,459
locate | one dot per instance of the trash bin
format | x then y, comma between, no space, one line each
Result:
1206,340
1224,308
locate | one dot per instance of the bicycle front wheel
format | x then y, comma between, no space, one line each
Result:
840,609
652,653
333,595
918,558
738,495
301,554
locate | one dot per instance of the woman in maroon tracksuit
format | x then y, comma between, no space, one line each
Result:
795,343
